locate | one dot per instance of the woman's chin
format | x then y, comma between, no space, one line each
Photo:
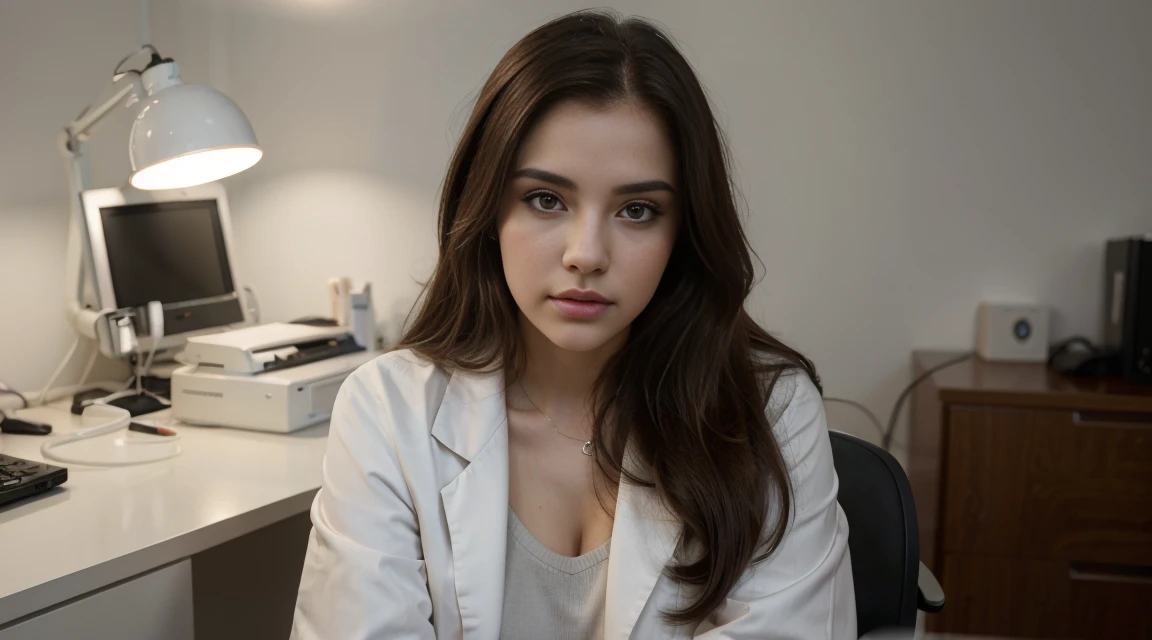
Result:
580,338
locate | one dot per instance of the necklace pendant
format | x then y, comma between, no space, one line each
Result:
587,448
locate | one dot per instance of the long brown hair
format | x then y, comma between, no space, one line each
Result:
689,391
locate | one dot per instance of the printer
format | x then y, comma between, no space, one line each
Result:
274,377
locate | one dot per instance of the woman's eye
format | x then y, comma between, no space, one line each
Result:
638,212
544,202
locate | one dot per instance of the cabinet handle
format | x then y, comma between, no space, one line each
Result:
1114,419
1099,572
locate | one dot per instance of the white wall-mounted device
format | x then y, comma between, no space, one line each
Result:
1012,332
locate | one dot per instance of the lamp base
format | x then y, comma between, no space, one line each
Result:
138,404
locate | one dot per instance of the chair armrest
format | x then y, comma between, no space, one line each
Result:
929,597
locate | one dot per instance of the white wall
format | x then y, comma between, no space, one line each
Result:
55,57
900,160
358,105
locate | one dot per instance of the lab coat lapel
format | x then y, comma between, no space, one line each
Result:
644,536
472,422
471,412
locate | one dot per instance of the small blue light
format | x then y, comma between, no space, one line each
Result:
1022,329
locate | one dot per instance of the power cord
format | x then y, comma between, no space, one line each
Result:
43,397
12,392
88,365
253,304
886,434
119,70
886,443
123,452
59,369
1066,345
863,409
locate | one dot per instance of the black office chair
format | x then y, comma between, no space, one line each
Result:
890,581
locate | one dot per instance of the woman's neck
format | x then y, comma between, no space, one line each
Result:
560,381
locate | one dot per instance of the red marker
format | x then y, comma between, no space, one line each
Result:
156,431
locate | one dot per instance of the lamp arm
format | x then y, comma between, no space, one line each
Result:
79,130
78,259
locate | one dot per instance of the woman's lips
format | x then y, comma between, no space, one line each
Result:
581,309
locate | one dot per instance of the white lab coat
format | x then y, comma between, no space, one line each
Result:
409,528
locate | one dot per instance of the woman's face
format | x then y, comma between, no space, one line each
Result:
588,221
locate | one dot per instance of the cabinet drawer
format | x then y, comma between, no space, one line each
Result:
1027,598
149,606
1060,485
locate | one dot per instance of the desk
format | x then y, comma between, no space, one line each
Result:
1034,500
106,525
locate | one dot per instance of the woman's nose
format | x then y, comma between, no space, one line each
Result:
587,244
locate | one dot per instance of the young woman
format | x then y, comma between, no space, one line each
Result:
582,434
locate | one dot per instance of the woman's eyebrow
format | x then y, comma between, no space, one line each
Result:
545,176
643,187
567,183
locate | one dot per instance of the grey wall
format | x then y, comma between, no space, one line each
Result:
900,161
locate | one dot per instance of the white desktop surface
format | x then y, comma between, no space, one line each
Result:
107,524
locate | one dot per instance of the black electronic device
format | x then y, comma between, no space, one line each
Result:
20,478
1128,306
17,426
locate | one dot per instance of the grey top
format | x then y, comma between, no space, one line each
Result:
547,595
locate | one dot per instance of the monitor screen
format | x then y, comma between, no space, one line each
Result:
166,251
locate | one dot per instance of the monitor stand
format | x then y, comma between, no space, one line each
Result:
134,403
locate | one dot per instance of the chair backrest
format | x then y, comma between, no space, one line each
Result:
882,534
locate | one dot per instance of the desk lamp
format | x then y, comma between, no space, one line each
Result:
183,135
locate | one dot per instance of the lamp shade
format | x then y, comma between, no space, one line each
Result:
187,134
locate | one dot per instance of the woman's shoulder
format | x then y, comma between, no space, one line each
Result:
793,391
796,410
397,367
398,380
792,388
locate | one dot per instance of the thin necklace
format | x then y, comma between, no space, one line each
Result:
586,449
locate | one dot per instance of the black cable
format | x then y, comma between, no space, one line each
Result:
147,47
17,394
887,442
1064,345
863,409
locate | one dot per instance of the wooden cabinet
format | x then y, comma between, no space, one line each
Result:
1034,495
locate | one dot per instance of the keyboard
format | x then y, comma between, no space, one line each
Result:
20,478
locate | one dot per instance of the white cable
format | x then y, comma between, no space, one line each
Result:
145,24
43,397
88,365
148,362
138,369
95,347
58,371
155,331
253,304
115,419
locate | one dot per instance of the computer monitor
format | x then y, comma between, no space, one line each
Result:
170,246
